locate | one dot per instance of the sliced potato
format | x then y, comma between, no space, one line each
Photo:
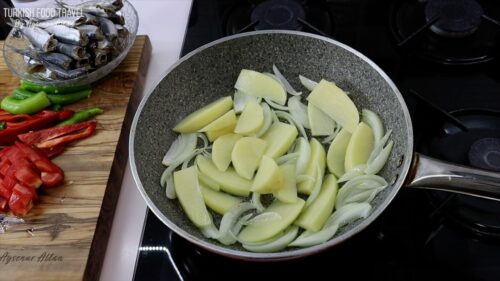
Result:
267,229
229,180
213,135
316,158
314,216
226,120
335,158
360,146
256,84
219,202
246,155
251,119
288,193
189,194
269,177
204,116
321,124
222,149
336,104
279,138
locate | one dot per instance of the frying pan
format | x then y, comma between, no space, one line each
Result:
210,72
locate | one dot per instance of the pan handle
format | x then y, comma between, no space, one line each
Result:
430,173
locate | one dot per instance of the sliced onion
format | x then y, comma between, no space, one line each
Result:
285,82
354,172
304,150
308,83
186,162
208,182
275,105
268,119
309,238
332,136
379,146
290,119
358,185
170,188
264,218
378,163
373,120
256,202
240,100
182,146
275,118
229,220
210,231
276,244
317,187
287,157
299,111
239,224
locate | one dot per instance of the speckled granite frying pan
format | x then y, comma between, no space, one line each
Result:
211,71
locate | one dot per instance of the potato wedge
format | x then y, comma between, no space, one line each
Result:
269,177
251,119
267,229
288,193
219,202
204,116
336,104
316,158
226,120
256,84
360,146
229,180
279,138
321,124
314,216
222,150
246,156
190,196
335,158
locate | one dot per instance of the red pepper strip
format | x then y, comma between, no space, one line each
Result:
49,152
3,204
21,200
51,175
4,192
61,135
13,119
65,114
38,121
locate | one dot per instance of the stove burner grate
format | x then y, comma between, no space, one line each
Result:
456,19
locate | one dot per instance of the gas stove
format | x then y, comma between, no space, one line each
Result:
444,57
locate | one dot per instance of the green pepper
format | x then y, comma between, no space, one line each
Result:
27,106
81,116
29,86
55,99
3,125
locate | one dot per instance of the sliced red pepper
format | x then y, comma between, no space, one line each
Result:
51,174
65,114
43,119
50,152
4,192
3,204
21,200
60,135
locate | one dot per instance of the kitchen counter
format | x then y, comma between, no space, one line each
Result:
164,21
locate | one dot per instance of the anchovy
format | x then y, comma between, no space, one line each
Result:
46,74
100,57
91,19
108,28
117,19
33,65
92,31
73,51
68,35
122,30
104,45
70,21
40,38
113,5
85,62
56,58
66,74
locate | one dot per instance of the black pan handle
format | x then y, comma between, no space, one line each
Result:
430,173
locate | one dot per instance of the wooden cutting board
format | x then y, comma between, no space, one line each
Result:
64,237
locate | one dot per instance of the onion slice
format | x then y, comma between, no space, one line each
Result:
378,163
287,157
182,146
275,244
373,120
290,119
299,111
285,82
354,172
264,217
304,150
275,105
358,185
229,220
268,119
256,202
308,83
379,146
331,137
317,187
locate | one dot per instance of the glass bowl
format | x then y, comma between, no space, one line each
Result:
16,64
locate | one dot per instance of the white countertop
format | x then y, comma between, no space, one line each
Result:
164,21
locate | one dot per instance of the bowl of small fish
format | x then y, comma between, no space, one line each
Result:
73,43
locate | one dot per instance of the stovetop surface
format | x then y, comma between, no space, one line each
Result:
422,235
